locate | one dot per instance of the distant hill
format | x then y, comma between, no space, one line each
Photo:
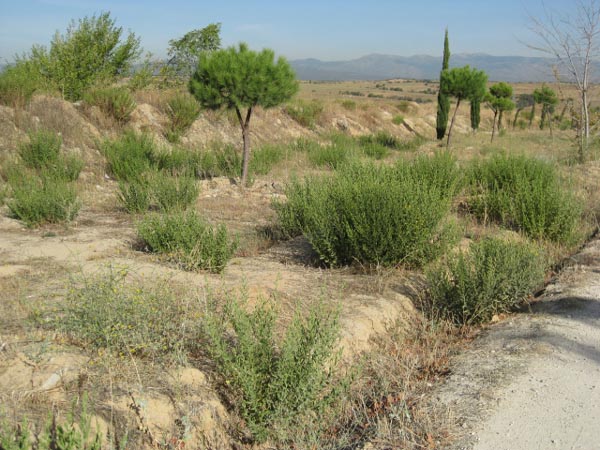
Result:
423,67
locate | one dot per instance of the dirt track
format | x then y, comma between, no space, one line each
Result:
533,381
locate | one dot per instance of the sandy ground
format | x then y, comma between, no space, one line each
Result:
533,381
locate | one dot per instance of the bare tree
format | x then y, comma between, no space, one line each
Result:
573,40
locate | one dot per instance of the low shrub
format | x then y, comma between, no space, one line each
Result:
173,193
277,382
183,110
19,82
129,156
526,195
115,102
42,150
108,312
135,196
350,105
225,161
331,156
370,215
42,153
179,161
305,113
265,158
403,106
390,141
186,239
41,199
398,120
494,276
439,170
375,151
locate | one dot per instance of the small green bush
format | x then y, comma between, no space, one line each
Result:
135,195
129,156
350,105
42,150
115,102
179,161
228,161
186,239
527,195
19,82
493,277
306,114
403,106
277,381
108,312
173,193
398,120
439,170
331,156
265,158
183,110
39,199
370,215
375,151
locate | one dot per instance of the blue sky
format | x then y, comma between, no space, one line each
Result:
328,30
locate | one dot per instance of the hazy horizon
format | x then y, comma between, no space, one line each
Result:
332,31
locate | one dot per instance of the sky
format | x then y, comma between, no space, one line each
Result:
327,30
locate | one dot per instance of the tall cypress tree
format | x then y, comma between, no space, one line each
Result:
443,99
475,113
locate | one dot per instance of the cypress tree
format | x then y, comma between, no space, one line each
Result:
443,99
475,113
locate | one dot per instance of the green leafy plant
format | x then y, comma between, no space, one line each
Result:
494,276
277,381
375,150
107,311
350,105
398,119
186,239
183,110
173,193
305,113
43,153
135,195
39,199
265,158
179,161
129,156
527,195
115,102
370,215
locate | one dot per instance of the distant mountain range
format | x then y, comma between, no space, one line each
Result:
424,67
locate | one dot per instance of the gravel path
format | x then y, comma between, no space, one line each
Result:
533,382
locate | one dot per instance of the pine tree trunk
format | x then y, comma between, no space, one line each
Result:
494,125
452,124
517,112
245,124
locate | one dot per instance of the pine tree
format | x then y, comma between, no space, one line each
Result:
240,79
443,98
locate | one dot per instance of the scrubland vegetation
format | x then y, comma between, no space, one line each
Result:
478,227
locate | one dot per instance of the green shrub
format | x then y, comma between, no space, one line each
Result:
19,82
331,156
42,150
53,435
375,151
129,156
115,102
439,170
306,114
227,160
179,161
39,199
493,277
186,239
173,193
403,106
398,120
350,105
183,110
527,195
264,158
370,215
135,195
108,312
277,381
